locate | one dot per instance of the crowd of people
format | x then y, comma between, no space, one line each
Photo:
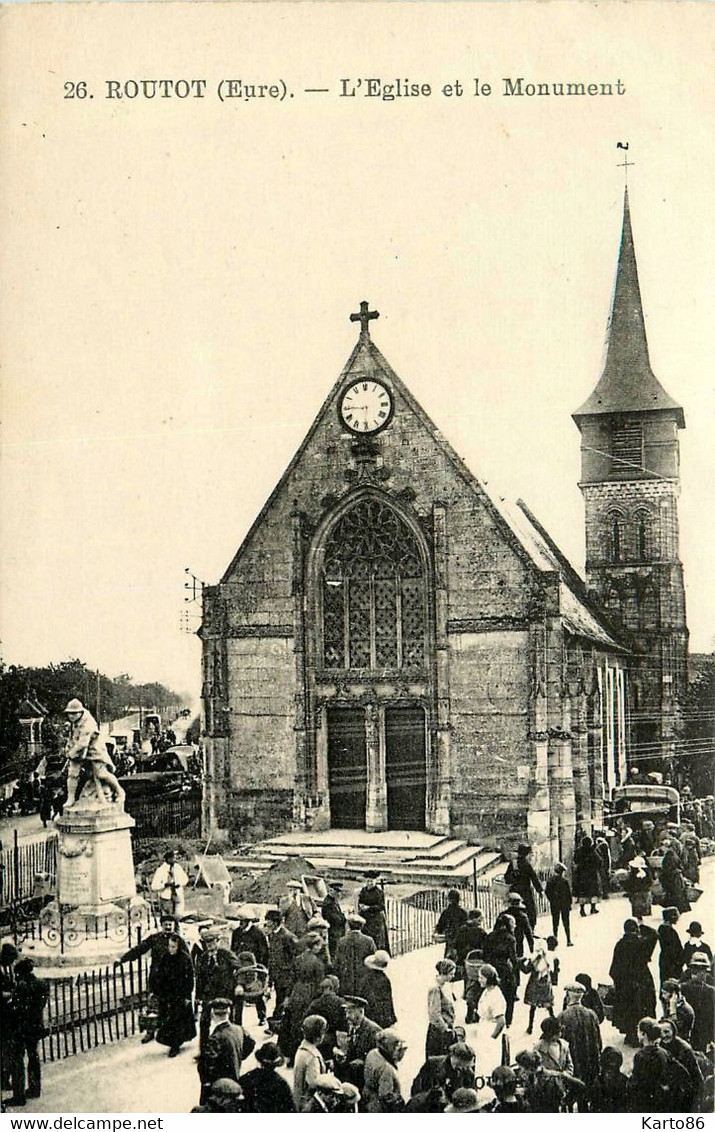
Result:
325,970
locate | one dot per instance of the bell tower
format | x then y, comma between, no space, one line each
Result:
630,480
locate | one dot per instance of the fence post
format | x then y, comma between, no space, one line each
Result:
16,865
474,880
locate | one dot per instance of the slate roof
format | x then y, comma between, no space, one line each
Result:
627,384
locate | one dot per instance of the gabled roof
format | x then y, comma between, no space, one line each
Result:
628,384
519,527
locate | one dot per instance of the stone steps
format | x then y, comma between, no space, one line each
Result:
401,857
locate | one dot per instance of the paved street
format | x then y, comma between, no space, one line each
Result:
130,1077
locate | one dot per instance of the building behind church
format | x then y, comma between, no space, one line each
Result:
394,646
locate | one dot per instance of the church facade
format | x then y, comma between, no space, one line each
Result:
396,647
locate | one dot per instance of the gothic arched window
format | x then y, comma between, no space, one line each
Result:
614,524
373,591
643,536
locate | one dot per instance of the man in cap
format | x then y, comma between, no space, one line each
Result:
296,908
247,936
157,944
264,1089
352,951
327,1094
87,758
216,977
282,952
697,991
580,1028
361,1037
224,1095
333,913
222,1053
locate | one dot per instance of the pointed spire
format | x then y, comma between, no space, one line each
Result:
627,383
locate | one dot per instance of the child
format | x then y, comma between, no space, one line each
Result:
539,989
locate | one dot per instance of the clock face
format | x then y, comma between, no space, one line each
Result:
366,407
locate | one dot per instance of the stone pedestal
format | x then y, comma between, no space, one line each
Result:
94,858
97,914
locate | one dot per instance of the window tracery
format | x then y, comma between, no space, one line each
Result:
373,591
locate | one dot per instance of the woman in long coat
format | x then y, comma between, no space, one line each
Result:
672,954
310,970
521,878
371,905
173,983
377,989
634,996
500,951
675,893
638,887
587,868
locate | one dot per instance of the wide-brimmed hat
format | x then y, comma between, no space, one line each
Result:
699,959
378,961
464,1100
269,1055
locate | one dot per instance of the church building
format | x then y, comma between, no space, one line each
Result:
396,647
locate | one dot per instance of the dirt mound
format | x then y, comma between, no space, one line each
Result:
271,885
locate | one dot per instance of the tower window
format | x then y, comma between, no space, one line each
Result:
643,536
373,592
626,449
615,538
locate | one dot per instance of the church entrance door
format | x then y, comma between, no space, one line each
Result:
347,767
406,767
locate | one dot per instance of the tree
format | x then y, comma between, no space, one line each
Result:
54,685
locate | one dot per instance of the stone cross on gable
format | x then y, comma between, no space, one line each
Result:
364,316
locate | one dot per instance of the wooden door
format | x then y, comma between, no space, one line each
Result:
347,767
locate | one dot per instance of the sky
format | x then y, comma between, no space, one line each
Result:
177,277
